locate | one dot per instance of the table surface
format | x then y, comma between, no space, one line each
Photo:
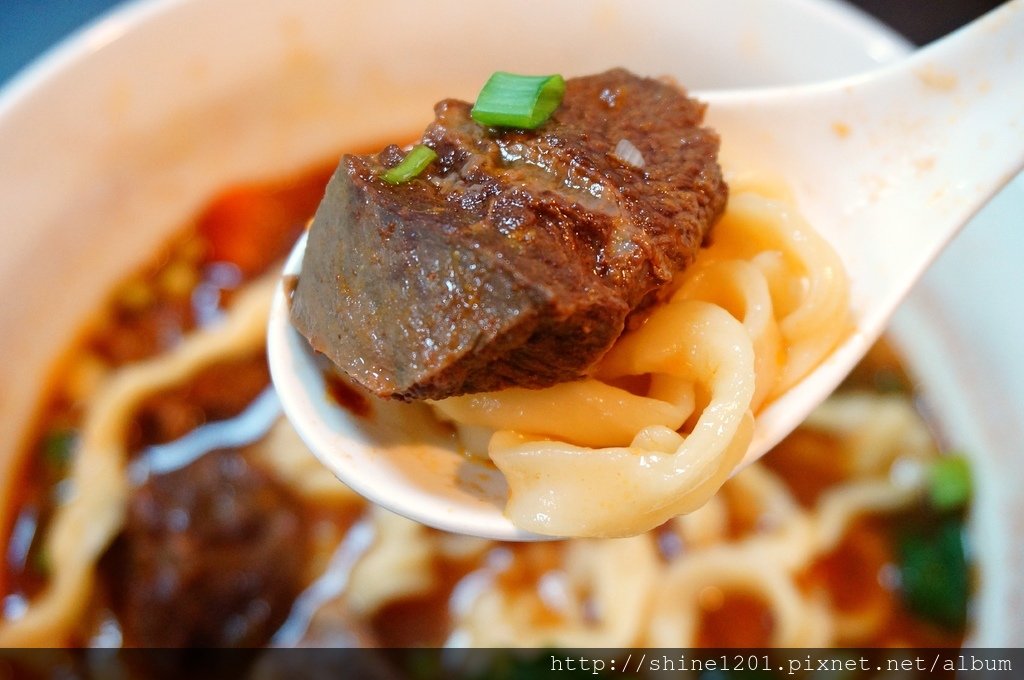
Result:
29,27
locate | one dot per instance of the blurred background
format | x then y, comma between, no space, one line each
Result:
30,27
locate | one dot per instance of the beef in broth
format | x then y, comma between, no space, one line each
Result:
211,555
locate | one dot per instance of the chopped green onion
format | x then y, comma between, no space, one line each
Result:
57,447
39,557
934,575
890,381
415,162
510,100
949,483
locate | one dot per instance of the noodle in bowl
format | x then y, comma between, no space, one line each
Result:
114,140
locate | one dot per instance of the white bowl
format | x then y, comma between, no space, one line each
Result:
113,140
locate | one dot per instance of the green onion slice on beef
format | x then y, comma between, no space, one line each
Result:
415,162
511,100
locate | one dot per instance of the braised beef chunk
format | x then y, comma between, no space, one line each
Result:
211,555
517,257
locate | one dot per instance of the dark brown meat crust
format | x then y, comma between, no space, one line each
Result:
517,258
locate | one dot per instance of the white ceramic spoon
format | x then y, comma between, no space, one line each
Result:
887,166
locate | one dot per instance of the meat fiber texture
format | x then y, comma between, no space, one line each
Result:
518,256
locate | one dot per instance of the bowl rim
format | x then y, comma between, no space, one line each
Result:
105,28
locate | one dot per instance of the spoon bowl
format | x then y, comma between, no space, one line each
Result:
887,166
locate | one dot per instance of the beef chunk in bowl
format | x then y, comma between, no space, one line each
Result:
211,555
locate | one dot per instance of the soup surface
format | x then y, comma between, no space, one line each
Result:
163,500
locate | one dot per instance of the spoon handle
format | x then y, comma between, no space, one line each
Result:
911,151
949,126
